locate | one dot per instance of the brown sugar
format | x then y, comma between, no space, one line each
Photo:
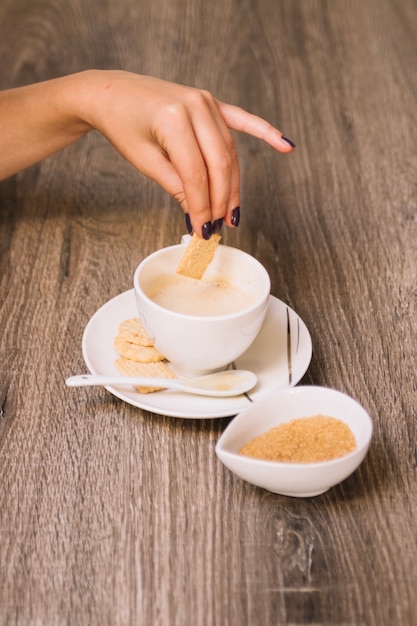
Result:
303,440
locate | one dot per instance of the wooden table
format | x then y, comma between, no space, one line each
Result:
112,515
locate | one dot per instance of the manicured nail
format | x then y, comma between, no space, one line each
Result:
188,224
217,225
288,141
235,216
207,230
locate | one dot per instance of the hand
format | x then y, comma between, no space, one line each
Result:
179,137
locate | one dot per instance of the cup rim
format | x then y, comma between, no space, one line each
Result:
261,300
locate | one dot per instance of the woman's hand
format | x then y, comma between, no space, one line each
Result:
178,136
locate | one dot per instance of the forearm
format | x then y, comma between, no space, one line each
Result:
38,120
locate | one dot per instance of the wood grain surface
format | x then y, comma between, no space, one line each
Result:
114,516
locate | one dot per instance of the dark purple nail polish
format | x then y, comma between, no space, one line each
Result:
188,224
207,230
288,141
236,216
217,225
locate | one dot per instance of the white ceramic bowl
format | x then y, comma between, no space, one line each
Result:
295,479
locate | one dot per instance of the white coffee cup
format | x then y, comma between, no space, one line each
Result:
196,344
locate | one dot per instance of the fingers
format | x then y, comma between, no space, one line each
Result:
191,193
200,148
220,156
199,164
239,119
181,138
189,160
208,143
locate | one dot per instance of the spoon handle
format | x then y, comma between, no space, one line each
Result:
90,380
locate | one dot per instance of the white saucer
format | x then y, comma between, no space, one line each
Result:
279,356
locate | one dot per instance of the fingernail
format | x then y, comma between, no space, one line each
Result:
188,223
288,141
207,230
235,216
217,225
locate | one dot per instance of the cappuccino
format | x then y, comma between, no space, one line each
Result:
204,298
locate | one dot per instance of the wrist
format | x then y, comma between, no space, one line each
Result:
76,98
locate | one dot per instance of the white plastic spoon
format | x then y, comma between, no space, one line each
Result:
221,384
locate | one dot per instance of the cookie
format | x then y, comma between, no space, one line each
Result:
133,331
134,352
197,256
152,370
